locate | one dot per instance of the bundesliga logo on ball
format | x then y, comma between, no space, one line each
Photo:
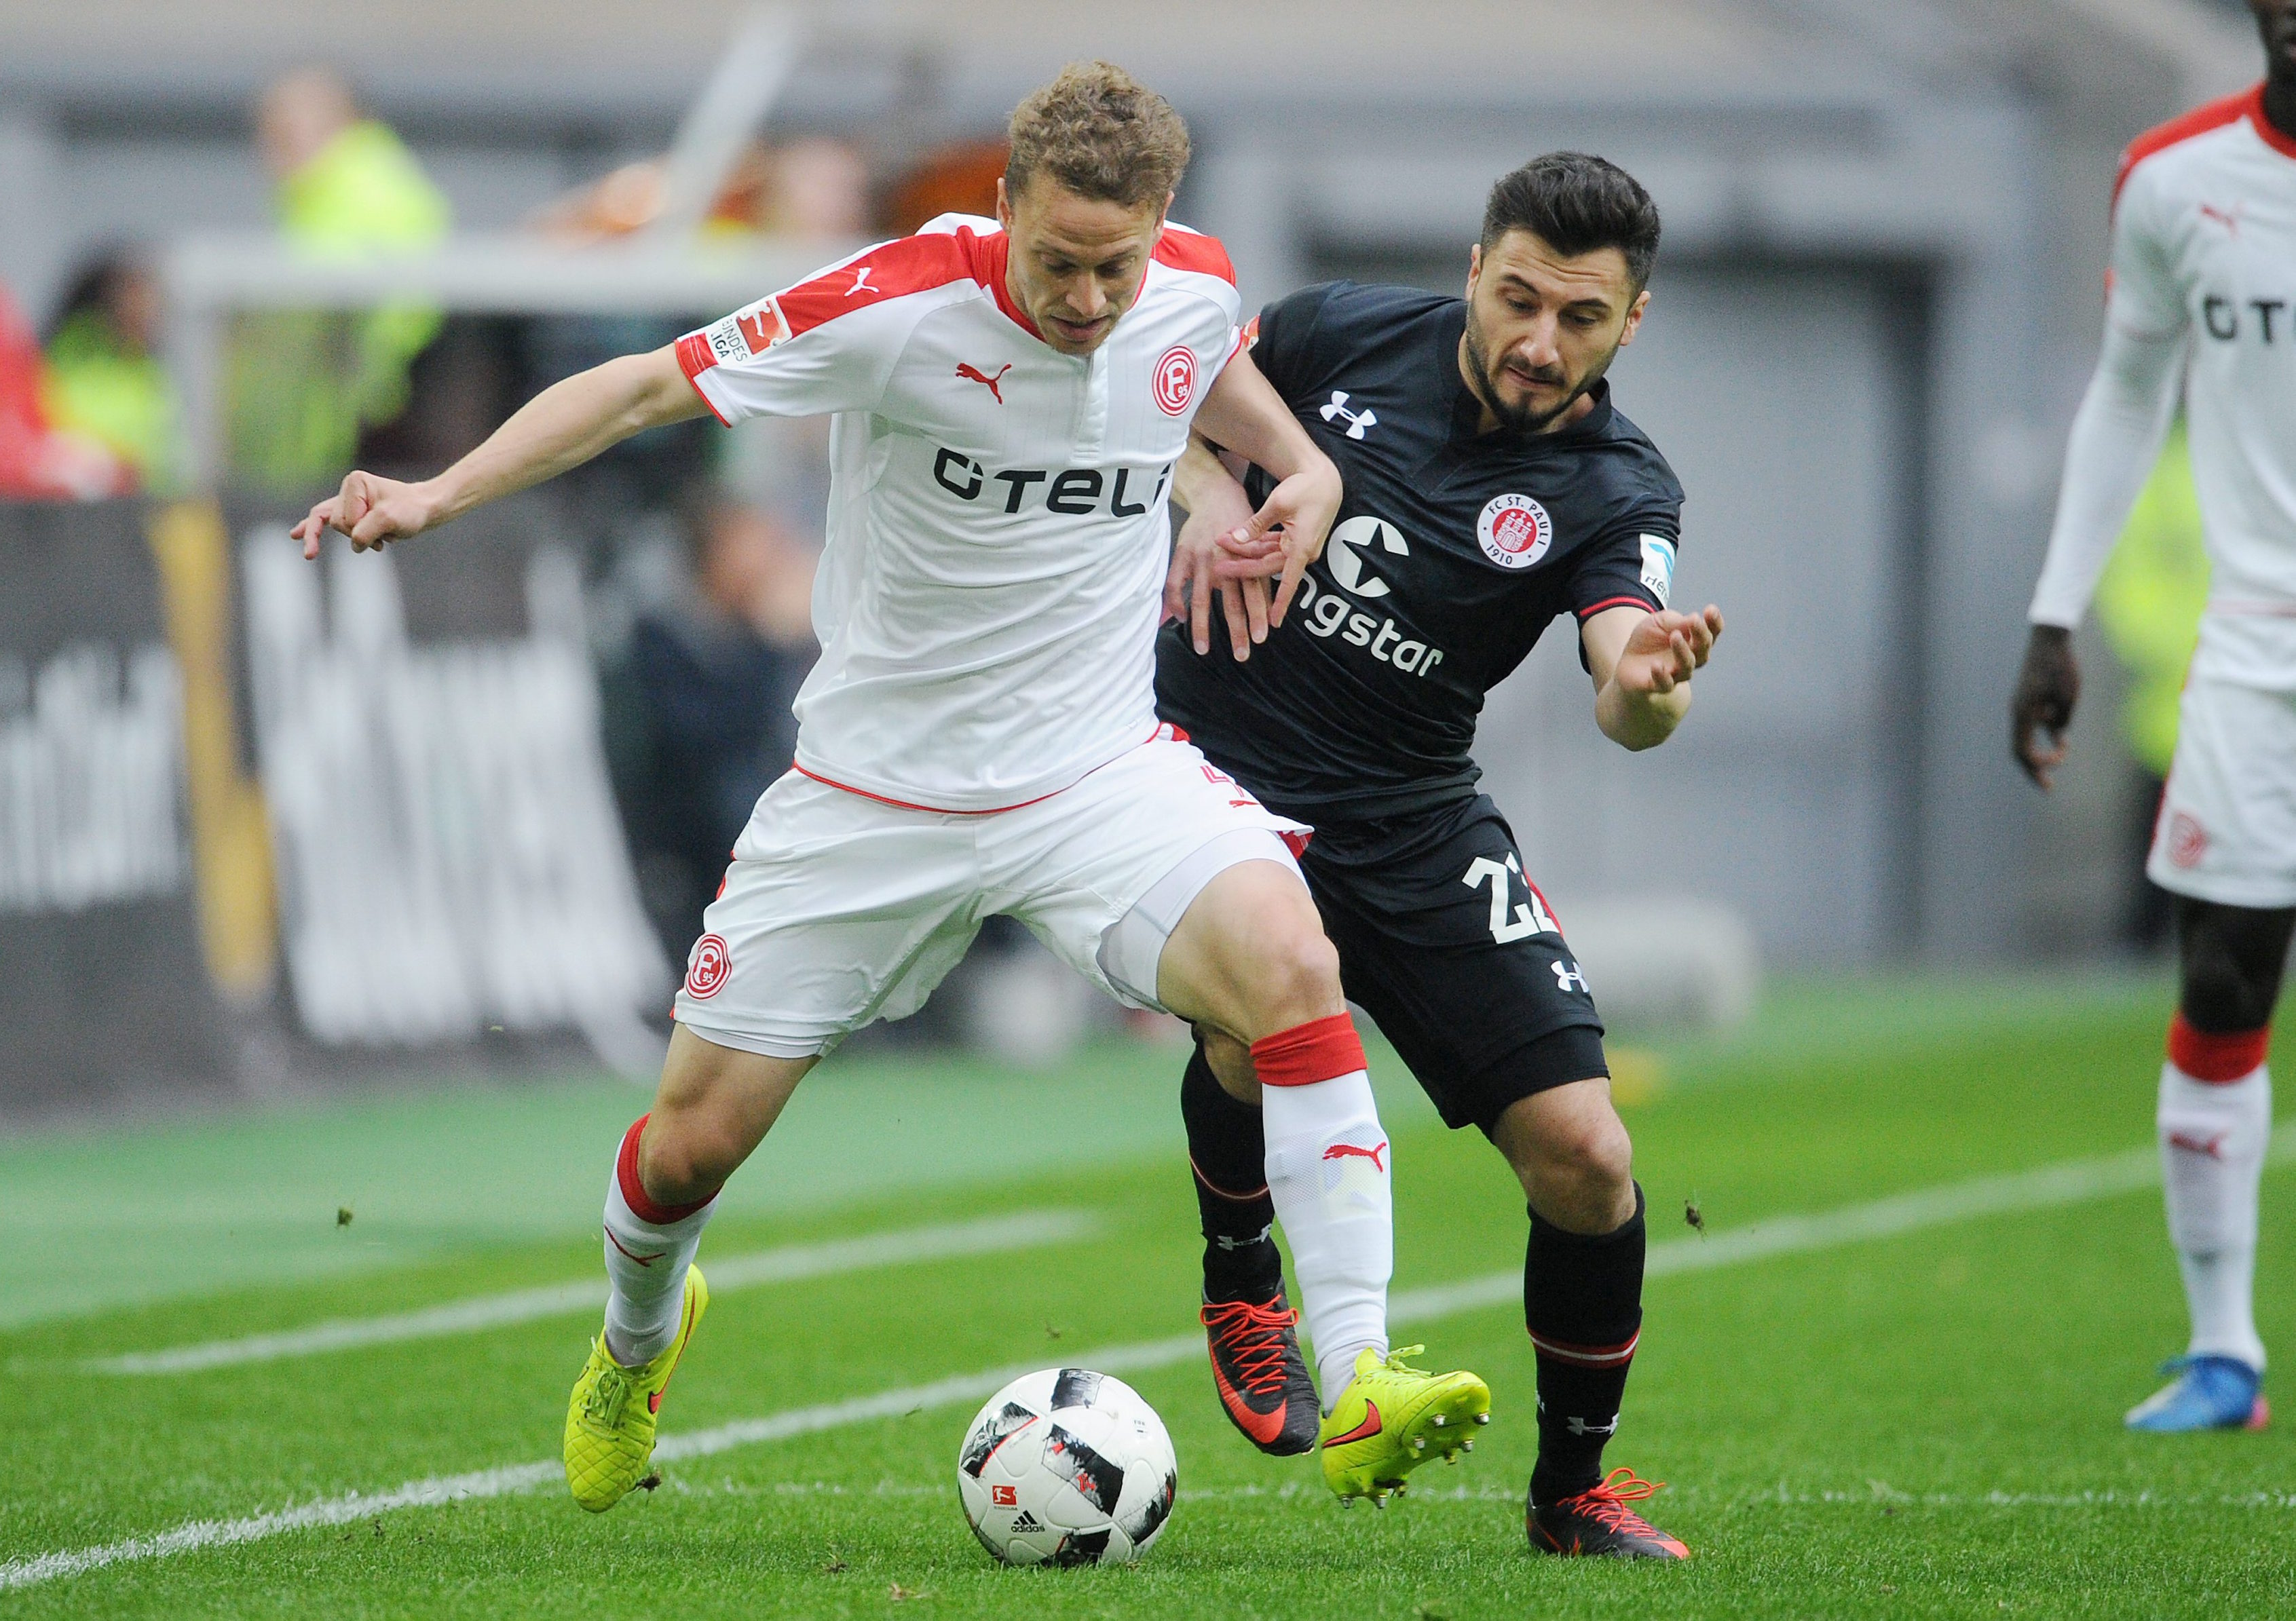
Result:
1067,1466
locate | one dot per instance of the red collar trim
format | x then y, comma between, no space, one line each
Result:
991,254
2272,134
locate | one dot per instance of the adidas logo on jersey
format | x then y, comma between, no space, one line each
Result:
1073,492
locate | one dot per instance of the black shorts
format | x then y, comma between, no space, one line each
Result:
1446,943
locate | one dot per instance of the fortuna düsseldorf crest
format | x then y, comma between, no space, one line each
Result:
1176,379
707,969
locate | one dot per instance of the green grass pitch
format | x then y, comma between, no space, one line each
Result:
1922,1422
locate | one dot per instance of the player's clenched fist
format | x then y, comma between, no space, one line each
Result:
373,512
1666,648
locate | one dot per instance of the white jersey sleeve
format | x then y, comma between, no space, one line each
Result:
829,344
2117,436
2125,414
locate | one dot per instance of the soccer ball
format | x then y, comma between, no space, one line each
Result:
1067,1466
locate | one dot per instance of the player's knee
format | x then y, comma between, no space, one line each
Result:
1595,1154
681,1158
1576,1165
1297,978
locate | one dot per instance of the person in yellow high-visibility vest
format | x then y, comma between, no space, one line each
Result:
303,383
2149,606
102,378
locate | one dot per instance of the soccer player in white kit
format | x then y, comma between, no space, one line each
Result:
2202,294
980,735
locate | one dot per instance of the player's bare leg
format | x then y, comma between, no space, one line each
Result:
1250,962
1582,1289
2215,1121
714,1107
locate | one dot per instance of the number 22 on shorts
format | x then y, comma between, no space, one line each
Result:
1531,917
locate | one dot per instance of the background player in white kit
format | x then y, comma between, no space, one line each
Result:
2203,293
979,736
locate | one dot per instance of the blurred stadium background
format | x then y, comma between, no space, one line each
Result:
339,906
265,827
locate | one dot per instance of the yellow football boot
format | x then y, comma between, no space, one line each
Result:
609,1421
1391,1419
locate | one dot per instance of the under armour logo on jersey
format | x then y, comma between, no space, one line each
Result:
1359,423
974,374
861,281
1567,977
2229,218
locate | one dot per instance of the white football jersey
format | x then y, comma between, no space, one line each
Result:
2204,244
989,600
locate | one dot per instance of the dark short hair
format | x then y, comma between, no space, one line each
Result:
1100,133
1576,203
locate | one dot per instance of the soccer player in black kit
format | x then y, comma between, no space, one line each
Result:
1492,487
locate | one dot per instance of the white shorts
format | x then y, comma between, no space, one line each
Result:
840,910
2227,831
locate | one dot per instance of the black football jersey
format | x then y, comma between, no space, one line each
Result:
1452,552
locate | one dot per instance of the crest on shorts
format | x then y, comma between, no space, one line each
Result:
707,967
1514,531
2188,840
1176,379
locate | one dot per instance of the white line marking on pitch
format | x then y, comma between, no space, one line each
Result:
1024,1229
2060,1185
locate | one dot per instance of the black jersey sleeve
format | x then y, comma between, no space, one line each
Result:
1631,566
1282,340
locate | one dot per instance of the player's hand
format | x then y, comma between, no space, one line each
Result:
373,512
2041,708
1199,565
1286,533
1666,648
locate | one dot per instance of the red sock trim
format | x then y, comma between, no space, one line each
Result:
2217,1058
1218,1192
634,1193
1320,1050
1588,1357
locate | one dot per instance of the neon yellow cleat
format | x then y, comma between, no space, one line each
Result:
1391,1419
610,1419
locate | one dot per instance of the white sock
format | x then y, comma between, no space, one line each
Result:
2213,1134
1328,1174
648,1249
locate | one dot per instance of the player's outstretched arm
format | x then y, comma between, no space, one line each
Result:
1244,413
562,427
1216,507
1641,663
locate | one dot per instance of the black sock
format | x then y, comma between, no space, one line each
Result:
1228,1150
1582,1300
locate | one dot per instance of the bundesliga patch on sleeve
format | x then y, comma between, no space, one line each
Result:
748,333
1657,567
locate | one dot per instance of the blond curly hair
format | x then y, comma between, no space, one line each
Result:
1101,134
